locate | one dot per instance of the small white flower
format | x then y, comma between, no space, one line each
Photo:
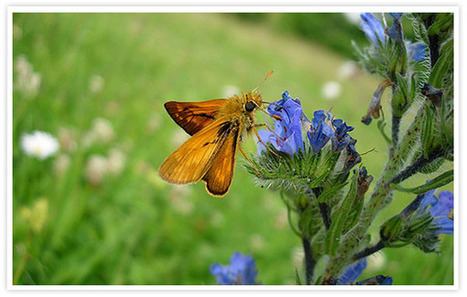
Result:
39,144
348,69
96,84
331,90
27,81
229,91
102,131
96,169
353,18
116,161
179,137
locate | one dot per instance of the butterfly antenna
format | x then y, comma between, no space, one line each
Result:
269,74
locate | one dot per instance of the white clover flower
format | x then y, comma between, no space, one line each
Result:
26,81
102,131
96,169
39,144
116,161
331,90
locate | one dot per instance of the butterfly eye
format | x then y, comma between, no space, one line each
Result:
249,106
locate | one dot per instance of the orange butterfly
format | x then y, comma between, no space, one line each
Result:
216,127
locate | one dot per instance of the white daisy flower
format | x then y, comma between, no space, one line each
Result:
39,144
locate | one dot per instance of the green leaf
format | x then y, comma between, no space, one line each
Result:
443,66
333,236
435,183
443,21
330,192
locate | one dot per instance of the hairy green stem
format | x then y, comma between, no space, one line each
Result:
309,261
380,197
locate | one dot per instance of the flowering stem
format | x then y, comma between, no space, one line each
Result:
326,214
323,207
368,251
417,165
396,121
380,197
309,261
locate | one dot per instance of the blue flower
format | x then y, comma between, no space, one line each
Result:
287,135
320,132
353,157
395,32
372,28
341,139
352,272
241,271
417,51
441,209
376,280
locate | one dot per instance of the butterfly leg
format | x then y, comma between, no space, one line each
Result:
241,150
260,140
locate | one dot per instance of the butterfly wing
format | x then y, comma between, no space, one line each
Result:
219,176
194,116
190,162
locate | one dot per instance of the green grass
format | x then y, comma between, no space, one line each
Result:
132,228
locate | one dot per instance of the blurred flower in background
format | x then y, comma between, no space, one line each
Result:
241,271
348,69
116,161
229,91
96,169
61,164
96,84
39,144
331,90
101,131
98,166
36,215
27,81
67,139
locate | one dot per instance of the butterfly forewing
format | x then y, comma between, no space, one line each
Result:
190,162
194,116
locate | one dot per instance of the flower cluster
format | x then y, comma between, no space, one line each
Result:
441,209
287,136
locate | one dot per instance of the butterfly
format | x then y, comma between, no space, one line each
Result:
216,128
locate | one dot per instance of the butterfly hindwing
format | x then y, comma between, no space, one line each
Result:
219,176
191,161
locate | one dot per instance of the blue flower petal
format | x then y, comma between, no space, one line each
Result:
372,28
320,132
352,272
241,271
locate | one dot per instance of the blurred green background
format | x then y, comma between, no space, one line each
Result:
97,212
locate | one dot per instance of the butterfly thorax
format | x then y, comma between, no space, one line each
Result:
241,109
